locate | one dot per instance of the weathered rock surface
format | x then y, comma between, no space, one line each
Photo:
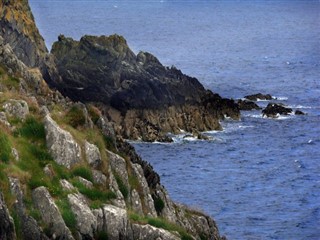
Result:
119,166
50,213
16,108
92,154
247,105
64,149
151,233
273,110
4,120
86,221
258,96
7,231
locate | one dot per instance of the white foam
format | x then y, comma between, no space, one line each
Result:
280,98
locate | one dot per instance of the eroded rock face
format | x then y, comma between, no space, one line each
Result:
273,110
64,149
50,213
7,231
151,233
16,108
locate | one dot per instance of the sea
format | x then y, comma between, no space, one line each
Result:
259,178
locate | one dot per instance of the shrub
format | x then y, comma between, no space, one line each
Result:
5,148
75,117
158,203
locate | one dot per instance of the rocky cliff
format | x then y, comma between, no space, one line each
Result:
142,97
64,173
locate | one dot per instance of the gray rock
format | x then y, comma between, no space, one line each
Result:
99,178
92,154
15,154
50,213
67,186
143,232
16,108
64,149
168,212
4,120
85,182
147,198
86,220
113,185
48,170
116,222
7,231
136,202
106,128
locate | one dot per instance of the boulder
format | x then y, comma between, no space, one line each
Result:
299,112
247,105
273,110
50,213
92,154
152,233
86,221
7,230
16,108
63,148
99,177
258,96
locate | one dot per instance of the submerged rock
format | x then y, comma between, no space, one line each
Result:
273,110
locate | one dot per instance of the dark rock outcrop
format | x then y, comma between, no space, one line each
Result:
7,231
247,105
273,110
299,112
258,96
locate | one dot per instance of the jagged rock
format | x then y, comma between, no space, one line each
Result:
147,198
273,110
136,202
85,182
113,185
106,128
119,166
99,177
258,96
29,226
86,221
50,214
16,108
4,120
149,232
168,211
67,186
115,222
247,105
92,154
299,112
7,230
63,148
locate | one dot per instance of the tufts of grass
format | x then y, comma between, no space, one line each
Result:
67,214
84,172
5,149
122,187
75,117
31,129
94,113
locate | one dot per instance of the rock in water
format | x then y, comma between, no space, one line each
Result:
258,96
247,105
273,110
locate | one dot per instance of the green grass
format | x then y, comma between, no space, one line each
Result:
122,187
67,214
5,148
160,223
31,129
84,172
75,117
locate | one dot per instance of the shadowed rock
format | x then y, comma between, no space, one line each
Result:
273,110
259,96
247,105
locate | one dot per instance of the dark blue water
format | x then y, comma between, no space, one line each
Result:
259,178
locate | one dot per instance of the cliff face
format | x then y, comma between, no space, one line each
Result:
63,172
144,98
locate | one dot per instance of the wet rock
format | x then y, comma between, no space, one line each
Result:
247,105
152,233
63,148
50,213
16,108
273,110
258,96
92,154
7,230
86,221
299,112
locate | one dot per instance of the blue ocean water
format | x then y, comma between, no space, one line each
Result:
259,178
